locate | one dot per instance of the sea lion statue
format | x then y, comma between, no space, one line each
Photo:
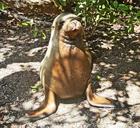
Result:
66,68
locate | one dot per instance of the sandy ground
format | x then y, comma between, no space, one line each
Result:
115,75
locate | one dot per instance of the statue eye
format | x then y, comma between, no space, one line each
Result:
61,23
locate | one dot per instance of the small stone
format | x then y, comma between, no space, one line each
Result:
105,84
120,93
133,92
122,118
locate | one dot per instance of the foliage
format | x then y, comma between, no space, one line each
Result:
36,87
36,31
94,12
2,7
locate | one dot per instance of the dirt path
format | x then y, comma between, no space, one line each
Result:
115,75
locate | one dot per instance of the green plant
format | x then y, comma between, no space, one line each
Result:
36,31
36,87
94,12
2,6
